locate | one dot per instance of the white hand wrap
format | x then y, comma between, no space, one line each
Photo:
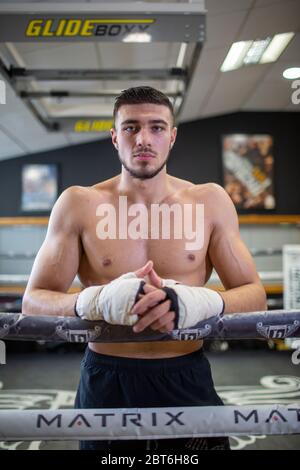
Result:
168,282
193,304
111,302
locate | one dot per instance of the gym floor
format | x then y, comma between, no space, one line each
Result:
34,377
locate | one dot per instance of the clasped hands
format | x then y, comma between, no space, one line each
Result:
143,299
152,307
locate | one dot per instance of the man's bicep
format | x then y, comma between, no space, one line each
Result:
233,262
228,253
57,261
56,264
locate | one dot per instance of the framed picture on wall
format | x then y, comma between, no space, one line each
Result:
39,187
248,165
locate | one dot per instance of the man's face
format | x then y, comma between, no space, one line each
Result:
144,136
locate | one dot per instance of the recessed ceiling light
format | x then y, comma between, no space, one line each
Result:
292,73
260,51
256,51
276,47
235,56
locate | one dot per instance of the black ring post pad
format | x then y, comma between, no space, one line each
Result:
174,307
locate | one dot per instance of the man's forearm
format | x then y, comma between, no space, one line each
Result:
247,298
45,302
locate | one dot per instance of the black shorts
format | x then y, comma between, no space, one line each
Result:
119,382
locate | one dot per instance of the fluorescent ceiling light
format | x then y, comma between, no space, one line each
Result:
181,55
253,52
138,37
177,103
256,50
276,47
235,56
292,73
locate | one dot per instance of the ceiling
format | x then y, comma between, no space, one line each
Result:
252,88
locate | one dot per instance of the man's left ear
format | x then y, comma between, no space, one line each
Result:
174,134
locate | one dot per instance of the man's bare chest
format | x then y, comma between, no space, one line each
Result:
174,236
107,259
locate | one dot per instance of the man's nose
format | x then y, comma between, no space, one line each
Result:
143,138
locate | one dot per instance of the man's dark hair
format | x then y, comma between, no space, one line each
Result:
140,95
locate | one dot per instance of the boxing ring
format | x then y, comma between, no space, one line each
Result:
150,423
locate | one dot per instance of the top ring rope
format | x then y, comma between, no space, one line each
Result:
276,324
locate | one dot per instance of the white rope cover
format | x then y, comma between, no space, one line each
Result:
148,423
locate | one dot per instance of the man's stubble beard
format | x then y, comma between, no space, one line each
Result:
143,174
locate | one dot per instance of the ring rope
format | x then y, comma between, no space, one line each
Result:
275,324
149,423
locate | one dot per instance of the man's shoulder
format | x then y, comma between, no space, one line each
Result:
76,198
208,191
72,207
72,198
71,202
75,192
204,192
81,193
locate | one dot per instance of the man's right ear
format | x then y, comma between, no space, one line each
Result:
113,134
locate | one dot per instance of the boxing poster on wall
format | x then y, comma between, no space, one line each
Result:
39,187
248,165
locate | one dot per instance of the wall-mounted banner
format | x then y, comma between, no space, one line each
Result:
185,23
84,125
248,170
39,187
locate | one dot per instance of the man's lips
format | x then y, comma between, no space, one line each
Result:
144,156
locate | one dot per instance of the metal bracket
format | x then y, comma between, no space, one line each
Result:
36,22
104,22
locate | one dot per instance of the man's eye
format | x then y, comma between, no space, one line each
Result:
157,128
129,129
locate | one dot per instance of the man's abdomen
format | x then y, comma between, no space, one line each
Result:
147,350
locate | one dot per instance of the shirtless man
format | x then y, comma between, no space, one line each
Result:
143,374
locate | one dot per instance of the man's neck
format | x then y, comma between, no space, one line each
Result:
152,190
